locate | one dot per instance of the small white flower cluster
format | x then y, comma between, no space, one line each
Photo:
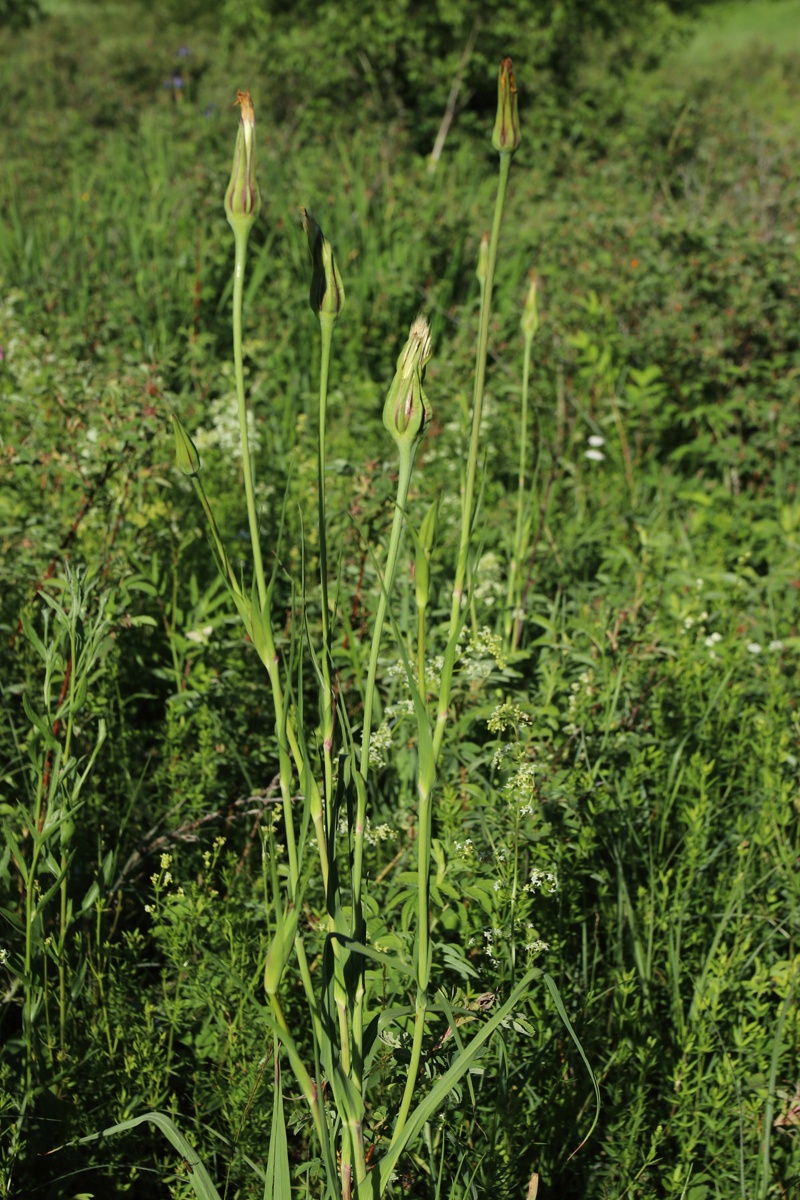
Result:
3,956
200,636
500,755
219,842
595,454
506,716
397,673
165,876
465,849
476,670
698,623
482,650
537,946
380,833
380,741
539,879
521,787
489,936
222,431
433,672
583,685
490,585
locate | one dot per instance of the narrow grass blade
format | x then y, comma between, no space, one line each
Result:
388,960
443,1086
278,1184
197,1176
562,1012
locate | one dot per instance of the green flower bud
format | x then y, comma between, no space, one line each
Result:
506,137
280,950
529,322
406,409
483,260
242,199
424,543
186,456
327,289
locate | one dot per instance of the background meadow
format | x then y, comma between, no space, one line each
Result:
618,801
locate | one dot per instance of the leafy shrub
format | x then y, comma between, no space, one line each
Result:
19,14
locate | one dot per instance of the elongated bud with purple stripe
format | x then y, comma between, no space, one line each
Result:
242,198
506,137
327,289
406,409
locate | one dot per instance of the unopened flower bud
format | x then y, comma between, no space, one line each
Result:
242,199
186,456
406,409
424,542
327,289
506,137
483,260
529,321
280,950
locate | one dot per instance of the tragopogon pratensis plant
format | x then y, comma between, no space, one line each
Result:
324,760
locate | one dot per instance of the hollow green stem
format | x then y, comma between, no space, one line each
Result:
472,459
30,913
513,620
403,482
240,240
423,954
404,479
327,324
287,739
307,1084
421,652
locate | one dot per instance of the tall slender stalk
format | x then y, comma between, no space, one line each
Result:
241,233
404,415
423,955
240,240
513,617
403,482
472,458
326,328
337,1007
327,301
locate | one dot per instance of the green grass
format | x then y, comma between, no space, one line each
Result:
730,29
616,801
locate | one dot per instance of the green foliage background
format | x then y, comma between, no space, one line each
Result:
651,764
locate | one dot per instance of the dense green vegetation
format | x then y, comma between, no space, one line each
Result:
617,795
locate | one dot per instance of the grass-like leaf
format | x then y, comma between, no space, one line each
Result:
197,1175
550,983
443,1086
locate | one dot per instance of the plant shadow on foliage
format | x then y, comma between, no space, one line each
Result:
619,795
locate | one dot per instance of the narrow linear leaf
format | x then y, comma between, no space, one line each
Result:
443,1086
197,1175
550,983
278,1183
